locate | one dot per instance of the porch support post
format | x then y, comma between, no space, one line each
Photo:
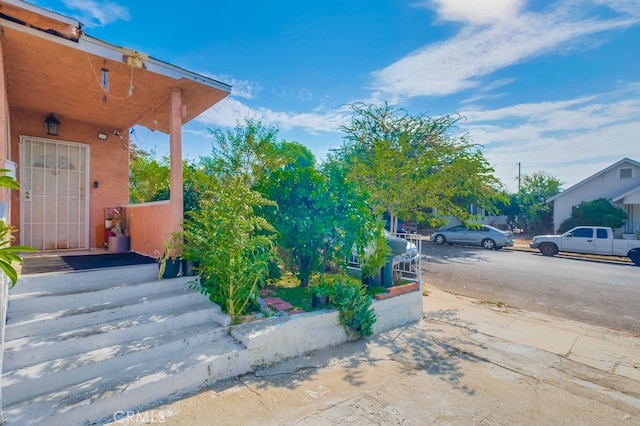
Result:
175,141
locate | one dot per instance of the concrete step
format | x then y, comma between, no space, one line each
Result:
52,375
63,342
65,303
74,282
78,350
147,378
78,315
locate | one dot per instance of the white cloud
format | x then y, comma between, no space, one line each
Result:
459,63
239,88
580,114
630,7
570,139
477,11
229,111
95,13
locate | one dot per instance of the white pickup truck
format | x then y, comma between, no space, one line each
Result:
589,240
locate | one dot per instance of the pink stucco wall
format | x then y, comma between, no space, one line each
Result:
108,164
149,224
4,123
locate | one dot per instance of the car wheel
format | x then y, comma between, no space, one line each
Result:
548,249
488,244
635,257
440,239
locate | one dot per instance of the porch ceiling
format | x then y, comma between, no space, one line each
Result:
50,74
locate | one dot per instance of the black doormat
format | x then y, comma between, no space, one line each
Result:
47,264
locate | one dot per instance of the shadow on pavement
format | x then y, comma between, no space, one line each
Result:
409,350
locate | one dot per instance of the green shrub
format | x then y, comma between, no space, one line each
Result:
354,305
599,212
233,244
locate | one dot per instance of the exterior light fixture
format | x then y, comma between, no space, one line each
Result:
104,79
102,136
53,125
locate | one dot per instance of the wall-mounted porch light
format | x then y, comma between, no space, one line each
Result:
104,79
52,125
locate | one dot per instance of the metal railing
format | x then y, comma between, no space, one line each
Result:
408,266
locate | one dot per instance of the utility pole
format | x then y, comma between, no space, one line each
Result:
519,175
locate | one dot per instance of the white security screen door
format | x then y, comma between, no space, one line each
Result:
53,185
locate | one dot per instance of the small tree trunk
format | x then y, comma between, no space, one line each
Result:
304,269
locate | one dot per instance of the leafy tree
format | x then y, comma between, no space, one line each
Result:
296,188
511,209
244,151
232,242
228,233
534,214
319,216
353,224
599,212
147,176
410,164
195,183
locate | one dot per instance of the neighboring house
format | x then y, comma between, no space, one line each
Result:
482,216
67,103
500,221
619,183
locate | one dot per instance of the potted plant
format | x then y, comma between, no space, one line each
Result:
189,267
374,257
118,238
320,293
169,260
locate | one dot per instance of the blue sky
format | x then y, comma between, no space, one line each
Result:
553,85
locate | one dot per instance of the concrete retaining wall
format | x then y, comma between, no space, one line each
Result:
275,339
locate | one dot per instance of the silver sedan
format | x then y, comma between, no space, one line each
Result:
484,236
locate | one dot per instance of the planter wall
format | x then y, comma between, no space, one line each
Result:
278,338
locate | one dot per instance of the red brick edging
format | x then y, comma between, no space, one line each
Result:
397,291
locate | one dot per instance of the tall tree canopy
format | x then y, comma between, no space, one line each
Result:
528,208
412,163
243,151
318,215
147,175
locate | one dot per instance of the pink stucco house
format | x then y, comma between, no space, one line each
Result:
67,102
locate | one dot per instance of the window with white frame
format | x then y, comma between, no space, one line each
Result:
625,173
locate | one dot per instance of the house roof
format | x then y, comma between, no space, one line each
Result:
52,66
594,176
632,192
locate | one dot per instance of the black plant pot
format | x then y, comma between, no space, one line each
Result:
172,268
374,281
189,267
319,301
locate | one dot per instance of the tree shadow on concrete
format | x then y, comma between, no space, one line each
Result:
416,348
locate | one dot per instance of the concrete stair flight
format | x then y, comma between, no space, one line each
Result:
82,347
